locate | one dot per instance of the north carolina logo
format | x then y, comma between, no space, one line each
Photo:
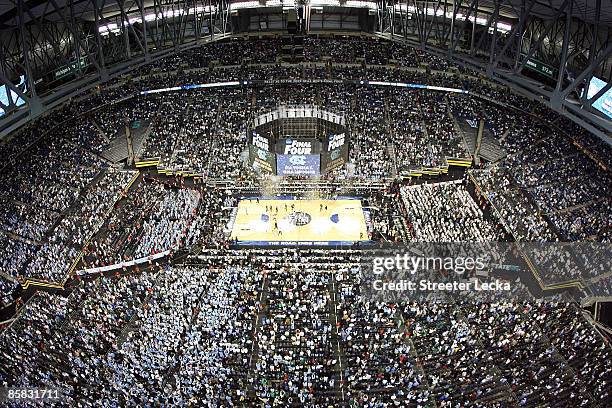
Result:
297,160
262,154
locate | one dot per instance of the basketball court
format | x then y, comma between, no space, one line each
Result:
302,222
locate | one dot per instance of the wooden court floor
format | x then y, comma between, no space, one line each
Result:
299,220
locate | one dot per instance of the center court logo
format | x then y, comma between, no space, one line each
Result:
299,218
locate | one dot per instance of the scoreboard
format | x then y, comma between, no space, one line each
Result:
298,140
295,157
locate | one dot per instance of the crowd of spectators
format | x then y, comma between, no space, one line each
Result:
193,142
370,152
421,130
385,215
295,328
519,214
62,342
227,155
290,328
562,262
167,223
589,222
381,368
64,244
117,238
392,131
14,255
446,212
7,288
55,198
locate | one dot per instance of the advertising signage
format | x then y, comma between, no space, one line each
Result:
71,68
296,146
540,67
260,142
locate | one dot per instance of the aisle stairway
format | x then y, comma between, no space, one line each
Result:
117,149
490,148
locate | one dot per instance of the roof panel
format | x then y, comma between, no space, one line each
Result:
585,10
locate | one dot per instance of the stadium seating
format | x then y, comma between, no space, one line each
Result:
226,326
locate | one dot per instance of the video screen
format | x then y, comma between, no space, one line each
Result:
7,95
604,102
298,164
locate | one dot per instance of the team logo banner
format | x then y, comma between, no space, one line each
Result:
335,153
262,160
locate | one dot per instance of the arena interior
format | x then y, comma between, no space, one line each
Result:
194,197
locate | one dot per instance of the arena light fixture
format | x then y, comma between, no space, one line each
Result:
289,4
268,4
314,3
349,4
136,18
430,11
246,5
108,28
198,9
173,13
